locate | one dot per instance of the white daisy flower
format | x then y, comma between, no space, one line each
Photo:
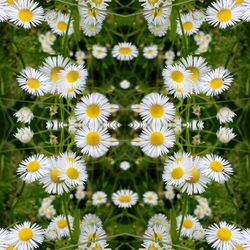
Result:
52,66
33,168
246,237
124,84
26,236
72,158
189,25
60,24
156,140
176,173
158,30
157,16
99,246
51,233
223,236
169,194
124,198
245,10
225,135
93,140
150,52
216,168
4,239
24,115
179,157
189,224
33,81
3,11
52,181
91,30
225,115
176,76
156,108
93,109
124,51
199,16
197,65
90,220
124,165
24,135
151,245
169,55
197,181
99,52
91,234
150,4
71,92
99,198
150,198
25,13
216,81
72,77
157,234
159,219
223,13
61,225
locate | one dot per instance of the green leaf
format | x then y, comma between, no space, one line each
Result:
173,226
173,23
76,23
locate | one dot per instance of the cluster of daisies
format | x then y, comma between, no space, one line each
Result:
202,41
57,174
192,75
47,40
47,208
202,209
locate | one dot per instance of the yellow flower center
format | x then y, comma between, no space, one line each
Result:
71,159
239,1
25,15
177,76
125,198
156,13
62,223
187,223
187,26
157,236
216,166
178,159
238,247
97,247
150,197
54,73
152,247
99,52
216,83
72,173
195,73
10,2
72,76
33,166
156,111
33,83
177,173
25,234
97,2
93,236
93,111
99,197
62,26
224,234
125,51
93,138
224,15
156,138
194,175
55,175
153,2
10,248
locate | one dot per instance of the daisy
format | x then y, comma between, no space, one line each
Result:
90,219
197,181
159,219
60,24
93,109
176,173
26,236
156,108
124,51
91,234
150,52
225,115
3,14
33,81
91,30
225,135
150,198
99,246
52,181
189,25
223,236
150,4
124,84
216,168
24,135
124,165
70,92
179,91
156,140
179,157
246,236
176,76
223,13
189,224
100,4
52,66
157,234
25,13
93,140
245,10
4,239
197,65
149,246
72,158
159,30
125,198
99,198
99,52
61,225
216,81
157,16
24,115
33,168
